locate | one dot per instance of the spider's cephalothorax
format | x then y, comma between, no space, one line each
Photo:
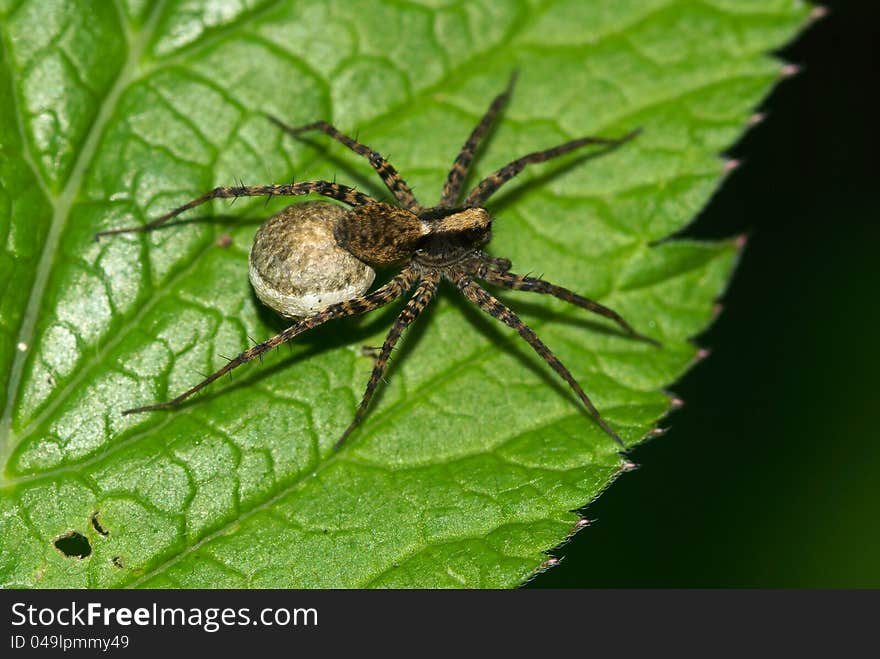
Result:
428,244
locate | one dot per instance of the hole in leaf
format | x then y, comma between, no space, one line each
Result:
73,544
96,524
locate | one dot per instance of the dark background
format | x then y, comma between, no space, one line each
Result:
770,475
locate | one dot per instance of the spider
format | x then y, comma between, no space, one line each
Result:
433,243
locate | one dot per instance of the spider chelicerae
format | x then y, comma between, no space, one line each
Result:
444,241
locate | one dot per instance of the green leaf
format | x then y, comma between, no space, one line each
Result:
469,463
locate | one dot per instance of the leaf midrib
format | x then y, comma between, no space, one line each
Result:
62,203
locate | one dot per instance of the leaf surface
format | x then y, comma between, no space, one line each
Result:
471,459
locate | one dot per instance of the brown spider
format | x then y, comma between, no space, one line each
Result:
431,243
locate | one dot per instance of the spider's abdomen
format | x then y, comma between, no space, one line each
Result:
296,265
380,234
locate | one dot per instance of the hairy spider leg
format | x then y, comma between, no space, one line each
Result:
335,191
495,308
417,303
393,181
491,183
496,263
459,171
360,305
534,285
